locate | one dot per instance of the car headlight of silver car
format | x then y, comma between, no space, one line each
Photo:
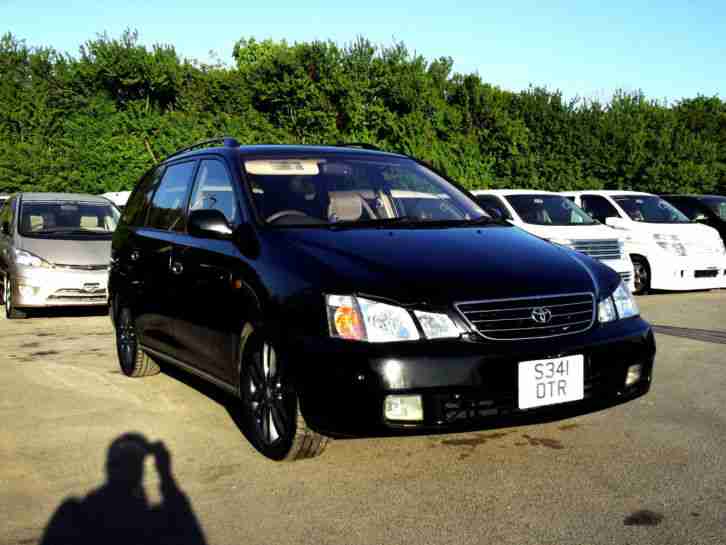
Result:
361,319
26,259
671,243
617,306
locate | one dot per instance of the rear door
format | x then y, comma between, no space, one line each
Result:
159,307
216,298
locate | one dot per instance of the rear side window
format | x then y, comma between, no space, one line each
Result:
687,206
135,212
167,207
599,207
214,190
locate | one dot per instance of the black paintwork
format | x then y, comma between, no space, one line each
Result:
197,299
695,202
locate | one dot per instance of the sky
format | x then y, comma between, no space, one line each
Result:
668,49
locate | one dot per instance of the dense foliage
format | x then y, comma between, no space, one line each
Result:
95,122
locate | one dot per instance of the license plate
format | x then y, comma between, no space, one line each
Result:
552,381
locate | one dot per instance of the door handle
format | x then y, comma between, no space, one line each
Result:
177,267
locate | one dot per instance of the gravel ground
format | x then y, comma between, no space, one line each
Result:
651,471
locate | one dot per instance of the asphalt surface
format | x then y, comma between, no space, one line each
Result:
651,471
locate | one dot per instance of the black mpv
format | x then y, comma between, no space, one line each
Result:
344,291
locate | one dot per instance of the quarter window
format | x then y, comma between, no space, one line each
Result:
490,201
214,190
599,208
138,204
167,207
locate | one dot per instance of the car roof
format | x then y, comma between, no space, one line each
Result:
61,197
284,150
505,192
609,192
691,195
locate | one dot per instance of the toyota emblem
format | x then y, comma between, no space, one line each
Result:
541,315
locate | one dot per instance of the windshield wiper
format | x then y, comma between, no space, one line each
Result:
68,231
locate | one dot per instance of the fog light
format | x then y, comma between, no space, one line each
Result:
28,291
634,374
407,408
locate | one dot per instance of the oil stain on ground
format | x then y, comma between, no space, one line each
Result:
470,443
643,518
542,441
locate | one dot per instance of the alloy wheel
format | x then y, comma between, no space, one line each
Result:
642,276
266,397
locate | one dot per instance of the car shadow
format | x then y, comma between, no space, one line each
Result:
118,512
66,312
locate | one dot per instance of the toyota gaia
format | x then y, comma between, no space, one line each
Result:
343,291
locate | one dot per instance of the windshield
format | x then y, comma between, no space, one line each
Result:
717,205
61,219
650,209
354,192
549,210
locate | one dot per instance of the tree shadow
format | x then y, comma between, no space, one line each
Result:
119,511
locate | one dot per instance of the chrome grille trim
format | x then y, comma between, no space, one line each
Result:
81,267
599,249
519,309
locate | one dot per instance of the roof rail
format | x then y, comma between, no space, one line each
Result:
362,145
226,141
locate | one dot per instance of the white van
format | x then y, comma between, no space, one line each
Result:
669,251
551,216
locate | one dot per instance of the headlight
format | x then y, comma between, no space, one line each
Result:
670,243
27,259
361,319
619,305
437,326
562,242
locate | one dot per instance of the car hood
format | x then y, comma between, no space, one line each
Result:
572,232
69,252
439,264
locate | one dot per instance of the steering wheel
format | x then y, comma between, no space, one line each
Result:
282,213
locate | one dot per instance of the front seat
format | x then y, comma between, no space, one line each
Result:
347,206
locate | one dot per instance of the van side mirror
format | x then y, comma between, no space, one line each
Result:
209,224
615,223
700,217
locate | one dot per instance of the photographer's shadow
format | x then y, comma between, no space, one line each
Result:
119,511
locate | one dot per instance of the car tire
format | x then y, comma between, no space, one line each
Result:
11,313
270,407
641,269
133,361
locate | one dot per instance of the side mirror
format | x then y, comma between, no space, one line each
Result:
209,224
6,228
494,212
616,223
700,217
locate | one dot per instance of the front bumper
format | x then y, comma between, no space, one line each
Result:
675,273
37,287
464,384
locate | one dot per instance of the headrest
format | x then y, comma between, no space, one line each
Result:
345,206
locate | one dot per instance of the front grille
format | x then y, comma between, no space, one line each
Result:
599,249
91,295
515,319
710,273
81,267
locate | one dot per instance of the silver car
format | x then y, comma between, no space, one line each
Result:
55,250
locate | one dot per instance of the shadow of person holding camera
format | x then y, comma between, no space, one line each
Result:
119,511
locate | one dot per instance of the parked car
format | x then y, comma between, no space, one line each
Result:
54,250
119,198
706,209
669,251
324,292
557,219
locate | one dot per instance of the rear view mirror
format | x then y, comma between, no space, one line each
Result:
615,222
209,224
